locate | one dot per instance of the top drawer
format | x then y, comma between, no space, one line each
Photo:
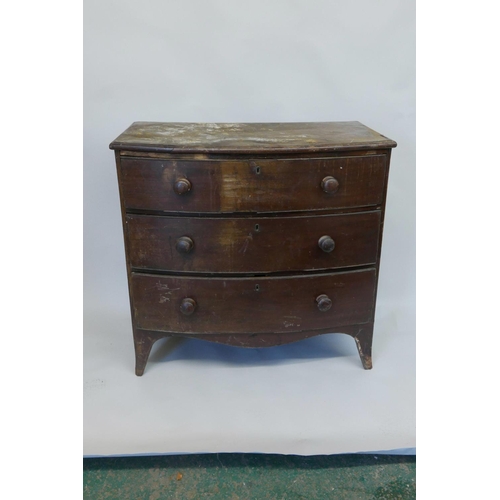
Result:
277,185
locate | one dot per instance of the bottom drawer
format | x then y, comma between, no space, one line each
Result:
252,305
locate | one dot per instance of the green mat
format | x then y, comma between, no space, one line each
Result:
250,476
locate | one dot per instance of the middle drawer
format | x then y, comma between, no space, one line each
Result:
252,244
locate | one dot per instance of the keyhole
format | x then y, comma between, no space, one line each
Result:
257,288
257,227
257,170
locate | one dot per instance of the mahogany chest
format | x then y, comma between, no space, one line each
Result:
251,234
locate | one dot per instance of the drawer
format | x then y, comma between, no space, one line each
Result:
253,244
267,185
252,305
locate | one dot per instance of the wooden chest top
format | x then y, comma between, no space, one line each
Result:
246,138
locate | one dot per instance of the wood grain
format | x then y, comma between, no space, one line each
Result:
271,185
252,235
252,305
252,244
182,155
362,334
249,137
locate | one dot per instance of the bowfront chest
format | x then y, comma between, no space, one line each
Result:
252,235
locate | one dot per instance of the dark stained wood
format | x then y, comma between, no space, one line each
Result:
326,243
323,302
184,244
206,206
249,155
381,233
249,137
362,334
188,306
182,186
278,185
143,342
329,184
259,304
251,245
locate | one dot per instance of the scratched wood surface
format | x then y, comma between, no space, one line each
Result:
253,201
252,245
362,334
272,185
257,304
249,137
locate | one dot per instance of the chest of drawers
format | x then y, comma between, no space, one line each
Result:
252,235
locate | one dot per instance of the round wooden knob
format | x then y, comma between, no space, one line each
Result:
182,186
188,306
324,303
329,184
326,244
184,244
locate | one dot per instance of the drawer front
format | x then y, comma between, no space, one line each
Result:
252,245
242,305
226,186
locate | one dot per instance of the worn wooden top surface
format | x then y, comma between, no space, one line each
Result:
249,137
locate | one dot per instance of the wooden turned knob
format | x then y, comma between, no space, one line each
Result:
184,244
326,244
182,186
188,306
329,184
324,303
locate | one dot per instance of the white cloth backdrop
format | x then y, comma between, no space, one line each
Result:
226,61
